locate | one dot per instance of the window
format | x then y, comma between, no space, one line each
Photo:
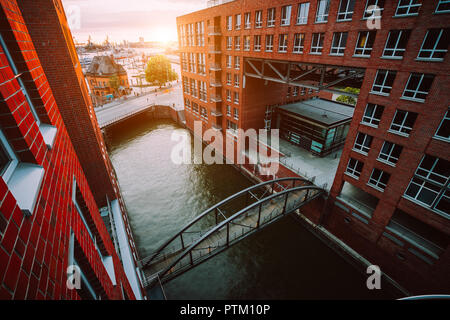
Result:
47,131
228,78
339,43
323,7
379,179
390,152
236,97
396,43
383,82
434,46
418,86
204,113
229,61
203,91
232,126
228,95
269,42
374,8
238,22
8,158
228,110
237,43
247,20
236,114
354,168
302,15
299,42
430,185
364,45
229,43
200,34
363,142
286,15
229,23
295,92
443,132
408,7
317,43
403,122
271,17
187,103
283,43
345,12
257,43
443,6
195,107
258,19
236,80
237,62
201,63
246,43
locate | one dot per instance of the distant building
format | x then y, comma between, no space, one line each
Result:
99,75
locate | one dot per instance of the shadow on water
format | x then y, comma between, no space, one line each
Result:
285,261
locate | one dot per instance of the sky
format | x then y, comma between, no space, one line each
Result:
155,20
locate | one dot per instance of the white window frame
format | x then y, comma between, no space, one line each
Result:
315,47
372,14
387,157
238,18
299,43
271,14
376,182
13,160
364,146
229,23
302,13
236,80
236,113
395,50
258,19
237,43
229,43
236,97
283,45
323,10
237,65
351,170
416,91
383,86
347,14
230,62
229,79
401,127
427,182
442,2
286,12
342,44
257,44
370,119
247,43
228,92
269,44
434,49
365,50
408,8
228,110
247,20
445,119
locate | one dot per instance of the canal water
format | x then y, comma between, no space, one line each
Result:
284,261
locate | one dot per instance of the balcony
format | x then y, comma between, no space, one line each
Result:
217,83
214,31
214,49
217,127
216,112
216,98
215,67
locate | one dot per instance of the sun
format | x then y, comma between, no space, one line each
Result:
163,35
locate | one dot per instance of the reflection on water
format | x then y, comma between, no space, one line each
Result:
284,261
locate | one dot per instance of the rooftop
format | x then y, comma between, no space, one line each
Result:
104,65
323,111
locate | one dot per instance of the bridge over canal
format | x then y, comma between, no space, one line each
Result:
225,224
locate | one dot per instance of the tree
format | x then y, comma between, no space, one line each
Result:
159,71
114,83
348,99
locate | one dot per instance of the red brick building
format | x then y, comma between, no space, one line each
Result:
390,199
60,200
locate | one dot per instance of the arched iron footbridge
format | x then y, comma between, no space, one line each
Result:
226,223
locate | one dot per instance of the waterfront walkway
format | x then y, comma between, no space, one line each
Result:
225,224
